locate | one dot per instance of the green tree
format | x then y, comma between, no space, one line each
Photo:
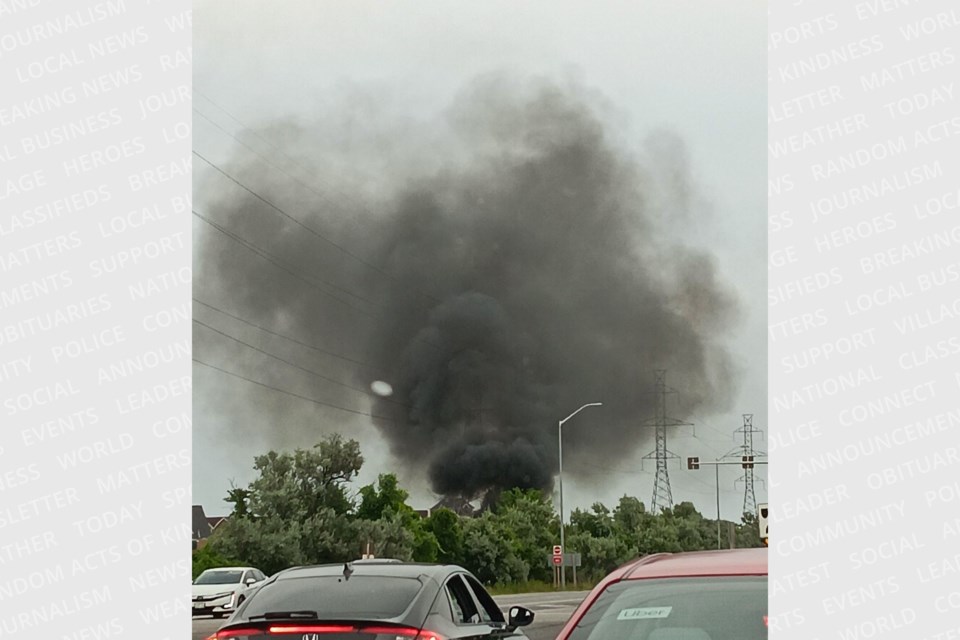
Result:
328,536
240,499
387,495
208,558
528,522
599,555
748,532
629,514
688,523
387,501
426,547
598,522
489,554
658,535
297,486
269,543
296,510
389,537
447,530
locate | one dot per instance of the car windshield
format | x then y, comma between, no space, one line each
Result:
218,577
359,598
727,608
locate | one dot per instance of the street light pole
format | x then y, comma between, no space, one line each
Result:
563,548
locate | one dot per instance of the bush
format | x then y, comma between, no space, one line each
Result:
208,558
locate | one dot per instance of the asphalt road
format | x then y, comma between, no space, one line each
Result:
551,611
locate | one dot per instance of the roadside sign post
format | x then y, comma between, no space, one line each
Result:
572,560
559,561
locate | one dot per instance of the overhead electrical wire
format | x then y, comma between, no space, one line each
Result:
286,337
273,260
307,227
277,149
296,366
306,279
295,395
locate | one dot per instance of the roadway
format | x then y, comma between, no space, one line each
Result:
551,611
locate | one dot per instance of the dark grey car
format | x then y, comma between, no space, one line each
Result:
373,601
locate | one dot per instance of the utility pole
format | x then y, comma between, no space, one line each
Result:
747,452
662,496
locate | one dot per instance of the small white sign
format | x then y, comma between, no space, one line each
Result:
557,550
644,613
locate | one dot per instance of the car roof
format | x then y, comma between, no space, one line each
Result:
376,569
727,562
431,577
229,569
376,561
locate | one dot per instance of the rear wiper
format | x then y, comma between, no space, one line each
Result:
279,615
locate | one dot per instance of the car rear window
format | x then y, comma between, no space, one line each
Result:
332,597
729,608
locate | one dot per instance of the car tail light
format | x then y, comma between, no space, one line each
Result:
312,628
403,632
396,632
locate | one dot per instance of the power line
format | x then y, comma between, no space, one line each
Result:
296,366
272,259
290,393
275,148
305,279
286,337
302,183
306,227
708,426
609,468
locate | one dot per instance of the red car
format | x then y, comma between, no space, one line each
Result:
703,595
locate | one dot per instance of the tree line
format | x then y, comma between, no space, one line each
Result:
299,511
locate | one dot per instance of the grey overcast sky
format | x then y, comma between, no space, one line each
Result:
696,69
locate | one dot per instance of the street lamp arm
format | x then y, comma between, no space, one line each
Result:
591,404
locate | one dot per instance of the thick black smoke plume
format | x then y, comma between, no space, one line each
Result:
525,269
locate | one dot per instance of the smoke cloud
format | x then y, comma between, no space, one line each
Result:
509,262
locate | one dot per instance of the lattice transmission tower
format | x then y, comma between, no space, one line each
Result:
747,454
662,496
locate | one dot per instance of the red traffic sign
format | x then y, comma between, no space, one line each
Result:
558,560
557,550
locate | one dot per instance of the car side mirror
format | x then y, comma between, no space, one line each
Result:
250,581
520,617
